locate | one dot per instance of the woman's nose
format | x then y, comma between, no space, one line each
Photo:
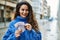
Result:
24,11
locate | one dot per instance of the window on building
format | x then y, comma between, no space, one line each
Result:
7,16
41,16
1,16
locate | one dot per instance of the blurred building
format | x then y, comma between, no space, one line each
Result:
6,7
48,11
58,19
44,8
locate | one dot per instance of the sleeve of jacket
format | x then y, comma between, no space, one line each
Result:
9,35
39,35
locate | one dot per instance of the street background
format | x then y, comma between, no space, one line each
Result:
47,13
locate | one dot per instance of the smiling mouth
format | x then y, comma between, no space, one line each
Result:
24,15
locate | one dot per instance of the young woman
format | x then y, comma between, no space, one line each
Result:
24,13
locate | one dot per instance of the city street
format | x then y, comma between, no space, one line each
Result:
43,10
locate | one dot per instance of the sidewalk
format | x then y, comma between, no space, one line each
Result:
2,32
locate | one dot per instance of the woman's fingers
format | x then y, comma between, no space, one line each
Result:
28,26
17,33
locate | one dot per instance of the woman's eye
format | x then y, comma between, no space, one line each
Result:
26,9
22,9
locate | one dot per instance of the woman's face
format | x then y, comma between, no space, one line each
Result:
23,11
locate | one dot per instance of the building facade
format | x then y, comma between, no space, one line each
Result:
58,21
6,7
48,11
44,10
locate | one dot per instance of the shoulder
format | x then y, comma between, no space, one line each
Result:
38,32
11,24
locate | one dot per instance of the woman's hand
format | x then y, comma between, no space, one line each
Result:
28,26
17,33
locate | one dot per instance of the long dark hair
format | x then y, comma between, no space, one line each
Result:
31,18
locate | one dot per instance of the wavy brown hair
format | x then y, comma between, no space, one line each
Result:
31,17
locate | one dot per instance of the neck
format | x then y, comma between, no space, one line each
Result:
21,19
